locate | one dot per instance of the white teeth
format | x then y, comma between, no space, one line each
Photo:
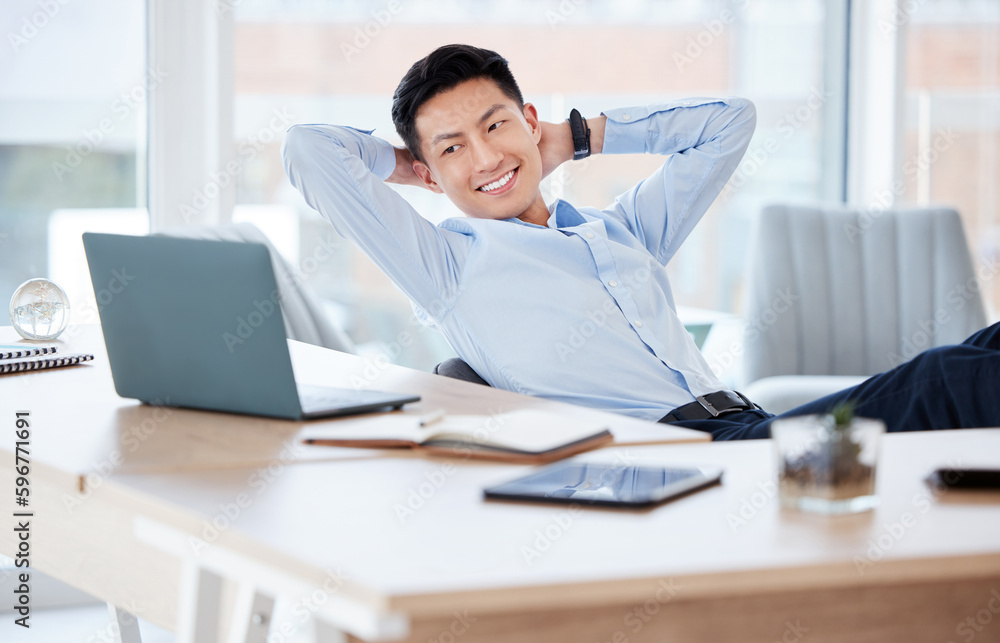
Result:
499,183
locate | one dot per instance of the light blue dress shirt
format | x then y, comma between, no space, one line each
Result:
579,310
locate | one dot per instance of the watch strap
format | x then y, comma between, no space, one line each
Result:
581,135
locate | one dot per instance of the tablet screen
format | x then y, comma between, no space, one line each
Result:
600,483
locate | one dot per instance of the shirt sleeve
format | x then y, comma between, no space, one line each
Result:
340,172
705,138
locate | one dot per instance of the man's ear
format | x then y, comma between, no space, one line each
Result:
531,117
424,173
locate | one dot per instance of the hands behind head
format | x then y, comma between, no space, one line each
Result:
555,145
403,172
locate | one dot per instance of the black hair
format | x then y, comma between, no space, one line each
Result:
443,69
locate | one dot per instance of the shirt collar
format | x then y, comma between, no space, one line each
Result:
564,215
561,215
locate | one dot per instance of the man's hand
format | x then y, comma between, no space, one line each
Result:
403,172
556,143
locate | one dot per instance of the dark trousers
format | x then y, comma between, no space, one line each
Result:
951,387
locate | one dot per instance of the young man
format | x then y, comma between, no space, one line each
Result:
563,302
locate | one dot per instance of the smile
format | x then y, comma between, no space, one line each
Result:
499,185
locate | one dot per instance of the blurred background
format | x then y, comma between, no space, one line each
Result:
84,147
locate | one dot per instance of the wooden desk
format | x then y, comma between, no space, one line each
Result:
84,434
723,564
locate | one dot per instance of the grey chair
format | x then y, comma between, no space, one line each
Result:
835,295
303,312
459,370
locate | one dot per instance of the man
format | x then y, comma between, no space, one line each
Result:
563,302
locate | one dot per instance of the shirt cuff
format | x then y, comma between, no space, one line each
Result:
624,131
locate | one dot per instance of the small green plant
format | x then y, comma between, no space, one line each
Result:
843,415
844,448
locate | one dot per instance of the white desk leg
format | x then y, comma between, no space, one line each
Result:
251,616
127,625
201,590
199,605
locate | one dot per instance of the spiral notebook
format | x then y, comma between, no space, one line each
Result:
16,359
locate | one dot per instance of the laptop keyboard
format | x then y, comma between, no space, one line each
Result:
316,396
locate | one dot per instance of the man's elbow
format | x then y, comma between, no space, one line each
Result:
744,120
746,110
298,140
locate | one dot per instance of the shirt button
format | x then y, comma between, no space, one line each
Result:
626,117
638,324
590,235
613,283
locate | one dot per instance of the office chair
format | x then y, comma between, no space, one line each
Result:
460,370
303,313
835,295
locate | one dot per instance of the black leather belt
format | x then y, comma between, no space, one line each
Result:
710,406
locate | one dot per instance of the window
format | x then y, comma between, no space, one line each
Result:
952,127
73,85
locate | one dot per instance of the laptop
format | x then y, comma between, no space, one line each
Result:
198,323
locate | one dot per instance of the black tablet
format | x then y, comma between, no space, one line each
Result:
615,485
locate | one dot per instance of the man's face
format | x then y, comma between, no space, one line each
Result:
473,137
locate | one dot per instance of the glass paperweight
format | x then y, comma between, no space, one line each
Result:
39,309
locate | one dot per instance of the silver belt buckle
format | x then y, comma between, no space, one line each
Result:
707,405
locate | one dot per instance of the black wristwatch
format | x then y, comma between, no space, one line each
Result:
581,135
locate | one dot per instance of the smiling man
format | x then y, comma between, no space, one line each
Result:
568,302
563,302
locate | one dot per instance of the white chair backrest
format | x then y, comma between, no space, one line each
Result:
834,291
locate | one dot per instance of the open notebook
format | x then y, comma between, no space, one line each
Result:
525,435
